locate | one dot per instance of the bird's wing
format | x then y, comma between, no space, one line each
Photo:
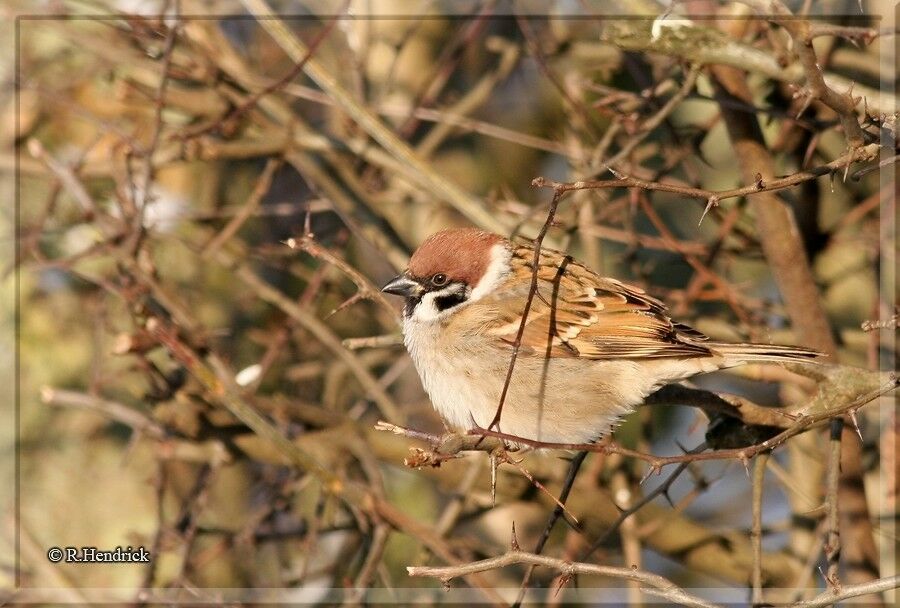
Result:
577,313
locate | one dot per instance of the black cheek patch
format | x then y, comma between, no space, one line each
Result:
449,301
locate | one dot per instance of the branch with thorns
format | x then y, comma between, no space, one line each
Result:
714,197
650,583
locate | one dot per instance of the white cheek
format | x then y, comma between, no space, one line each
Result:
496,272
427,311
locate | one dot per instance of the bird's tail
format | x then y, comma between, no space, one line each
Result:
737,354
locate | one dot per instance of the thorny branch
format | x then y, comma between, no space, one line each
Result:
712,197
652,583
802,33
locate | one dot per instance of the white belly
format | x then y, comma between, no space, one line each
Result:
560,401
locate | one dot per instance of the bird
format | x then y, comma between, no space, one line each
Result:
591,350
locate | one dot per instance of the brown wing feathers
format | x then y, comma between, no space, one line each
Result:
578,313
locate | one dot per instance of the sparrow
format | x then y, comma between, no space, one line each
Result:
593,348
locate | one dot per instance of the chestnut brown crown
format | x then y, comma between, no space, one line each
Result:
462,254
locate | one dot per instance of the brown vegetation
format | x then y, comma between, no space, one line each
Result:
207,203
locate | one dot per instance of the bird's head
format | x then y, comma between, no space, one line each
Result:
450,269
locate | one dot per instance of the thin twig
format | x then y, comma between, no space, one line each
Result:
651,583
141,193
263,184
759,477
662,489
532,290
569,481
365,288
112,409
832,544
322,333
829,598
714,197
73,185
274,86
654,121
385,341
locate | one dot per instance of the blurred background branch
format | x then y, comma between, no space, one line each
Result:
208,202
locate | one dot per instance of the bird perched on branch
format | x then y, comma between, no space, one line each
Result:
591,350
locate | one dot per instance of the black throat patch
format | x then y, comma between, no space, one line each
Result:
410,306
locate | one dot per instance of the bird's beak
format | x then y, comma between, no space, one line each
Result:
402,285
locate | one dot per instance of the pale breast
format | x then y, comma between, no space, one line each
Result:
557,400
452,373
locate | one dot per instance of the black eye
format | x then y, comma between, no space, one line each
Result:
440,279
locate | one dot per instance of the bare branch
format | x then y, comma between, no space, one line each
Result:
713,197
651,583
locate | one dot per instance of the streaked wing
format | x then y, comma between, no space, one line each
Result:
577,313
